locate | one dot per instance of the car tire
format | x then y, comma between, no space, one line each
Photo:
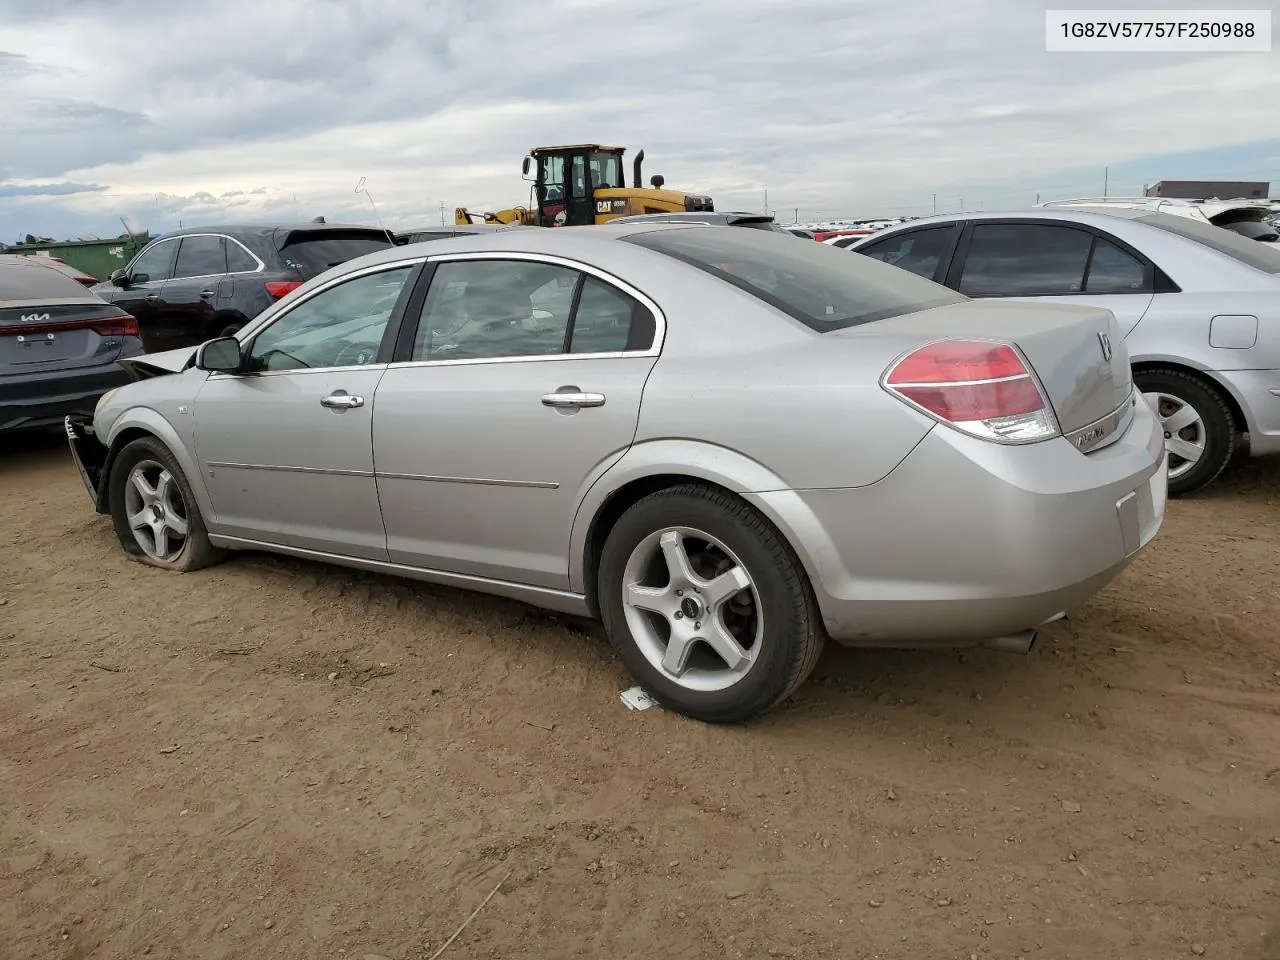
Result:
230,330
741,585
155,515
1200,420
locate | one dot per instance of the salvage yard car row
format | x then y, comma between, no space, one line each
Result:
727,444
1198,306
724,443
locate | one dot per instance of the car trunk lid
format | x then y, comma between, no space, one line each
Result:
36,336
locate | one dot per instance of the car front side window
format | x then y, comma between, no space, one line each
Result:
154,263
341,326
920,251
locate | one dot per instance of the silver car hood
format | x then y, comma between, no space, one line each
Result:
158,364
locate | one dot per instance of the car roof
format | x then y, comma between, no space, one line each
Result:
572,242
696,216
1094,215
268,229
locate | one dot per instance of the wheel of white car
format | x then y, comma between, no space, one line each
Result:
707,604
155,515
1199,431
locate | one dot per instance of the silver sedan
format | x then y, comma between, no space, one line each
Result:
1199,307
726,445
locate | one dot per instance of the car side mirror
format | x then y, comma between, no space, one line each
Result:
119,278
220,356
528,162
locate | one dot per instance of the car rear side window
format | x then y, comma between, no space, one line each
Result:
1112,270
608,320
501,309
239,260
491,309
920,251
821,287
1253,253
200,256
1025,260
311,253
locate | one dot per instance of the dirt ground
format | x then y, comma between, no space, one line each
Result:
275,759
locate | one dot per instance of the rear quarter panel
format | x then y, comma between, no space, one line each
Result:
1178,327
805,407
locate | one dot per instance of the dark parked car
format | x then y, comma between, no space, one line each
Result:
203,282
59,344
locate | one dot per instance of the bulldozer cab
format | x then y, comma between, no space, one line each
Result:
567,178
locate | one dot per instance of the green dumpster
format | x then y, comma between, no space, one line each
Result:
95,257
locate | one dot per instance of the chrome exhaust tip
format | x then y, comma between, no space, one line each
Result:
1013,643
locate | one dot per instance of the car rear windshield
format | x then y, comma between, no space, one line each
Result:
822,287
312,253
1260,256
33,281
761,224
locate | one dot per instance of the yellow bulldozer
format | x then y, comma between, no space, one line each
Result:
584,184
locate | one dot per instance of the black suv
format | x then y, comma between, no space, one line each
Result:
203,282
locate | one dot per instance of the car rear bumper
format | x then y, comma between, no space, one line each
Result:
1259,394
968,540
44,400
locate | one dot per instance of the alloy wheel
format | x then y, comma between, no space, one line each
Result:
692,608
155,511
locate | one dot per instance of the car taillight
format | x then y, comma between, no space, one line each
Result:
980,387
278,288
125,326
121,326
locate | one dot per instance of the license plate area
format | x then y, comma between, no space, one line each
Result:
36,347
1141,512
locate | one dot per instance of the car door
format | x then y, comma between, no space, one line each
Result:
140,293
1057,261
188,300
520,384
285,447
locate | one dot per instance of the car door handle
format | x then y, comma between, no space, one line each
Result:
152,296
207,294
341,401
573,399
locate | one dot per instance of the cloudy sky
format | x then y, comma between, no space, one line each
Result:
162,111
